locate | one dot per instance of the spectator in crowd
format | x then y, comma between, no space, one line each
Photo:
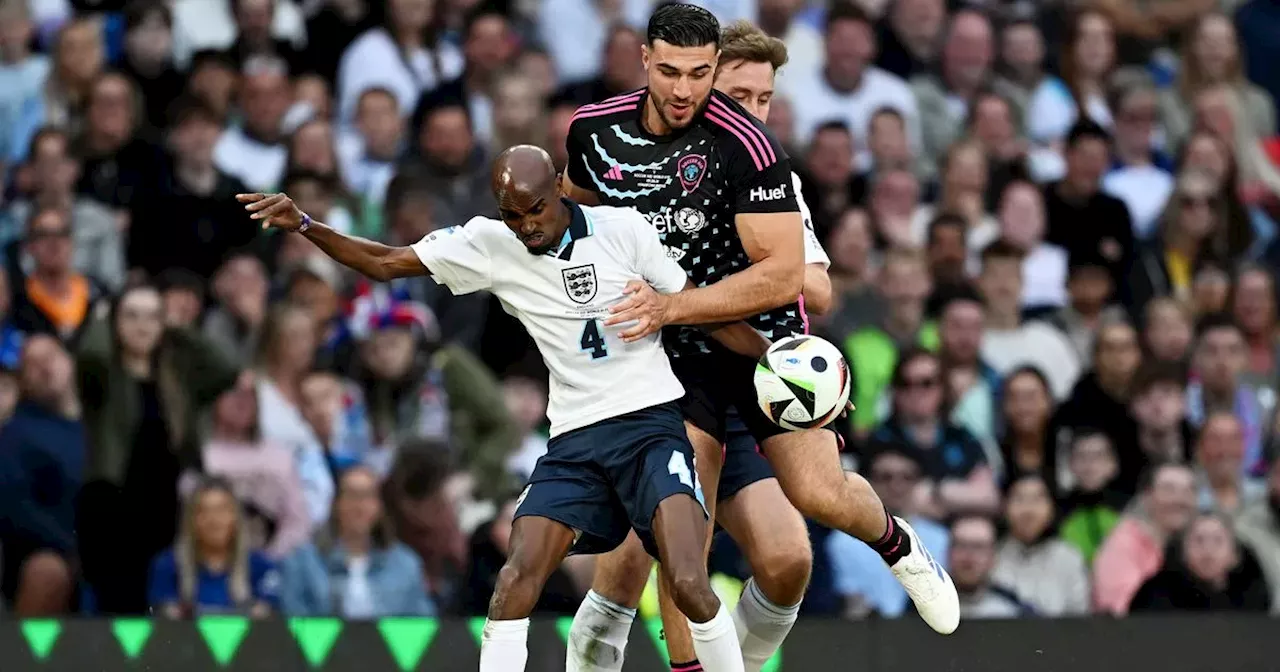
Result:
1026,408
262,474
958,477
213,25
1082,219
488,47
148,59
450,163
254,152
620,67
1210,290
577,32
1167,330
893,200
832,185
908,36
77,59
872,351
240,306
1089,304
24,74
962,191
1218,386
404,55
1022,60
1206,569
855,300
253,19
330,31
1101,397
972,559
212,568
355,568
426,518
1210,57
213,79
314,284
863,580
1088,56
994,124
1135,549
418,390
49,178
370,154
189,219
849,88
181,297
144,388
53,298
1243,207
1184,243
946,253
1044,265
1044,571
1158,405
42,456
335,409
1139,175
526,402
286,351
1253,307
887,144
490,544
120,161
1223,487
1091,507
1258,526
971,384
1009,341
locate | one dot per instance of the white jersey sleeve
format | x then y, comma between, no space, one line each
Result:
813,252
457,256
652,262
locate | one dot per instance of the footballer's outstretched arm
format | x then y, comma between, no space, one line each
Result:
371,259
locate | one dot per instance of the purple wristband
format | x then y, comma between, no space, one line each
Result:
306,223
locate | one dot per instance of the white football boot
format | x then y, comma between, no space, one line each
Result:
928,584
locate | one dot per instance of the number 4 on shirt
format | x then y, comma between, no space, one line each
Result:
593,341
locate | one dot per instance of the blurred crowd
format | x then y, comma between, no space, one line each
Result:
1053,228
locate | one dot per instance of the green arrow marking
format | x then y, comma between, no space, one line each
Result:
562,626
476,625
407,639
132,633
654,626
223,635
774,664
315,637
41,634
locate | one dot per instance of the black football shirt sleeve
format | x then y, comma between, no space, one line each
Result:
576,149
759,171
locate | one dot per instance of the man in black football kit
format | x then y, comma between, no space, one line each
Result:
717,186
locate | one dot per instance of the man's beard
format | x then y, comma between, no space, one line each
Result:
661,106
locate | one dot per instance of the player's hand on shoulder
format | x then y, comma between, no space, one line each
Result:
273,210
643,306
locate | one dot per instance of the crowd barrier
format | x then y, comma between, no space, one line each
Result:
1175,643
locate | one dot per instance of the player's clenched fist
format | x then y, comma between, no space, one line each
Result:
274,210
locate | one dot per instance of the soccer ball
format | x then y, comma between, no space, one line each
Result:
802,382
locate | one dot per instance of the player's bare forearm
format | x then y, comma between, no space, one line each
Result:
741,338
573,192
759,288
369,258
817,290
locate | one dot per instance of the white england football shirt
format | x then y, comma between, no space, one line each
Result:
813,252
563,298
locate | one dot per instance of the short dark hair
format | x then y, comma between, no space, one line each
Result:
1086,129
420,470
906,358
1001,250
1086,432
945,220
1216,322
181,279
327,182
888,111
953,294
214,57
1149,476
136,13
875,449
683,25
483,11
1154,373
192,108
833,125
845,11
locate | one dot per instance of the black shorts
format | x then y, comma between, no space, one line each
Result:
605,479
716,382
743,463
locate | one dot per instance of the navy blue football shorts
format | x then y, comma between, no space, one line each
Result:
743,462
606,479
717,382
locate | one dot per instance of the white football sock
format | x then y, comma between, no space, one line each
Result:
716,643
598,637
504,647
761,626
